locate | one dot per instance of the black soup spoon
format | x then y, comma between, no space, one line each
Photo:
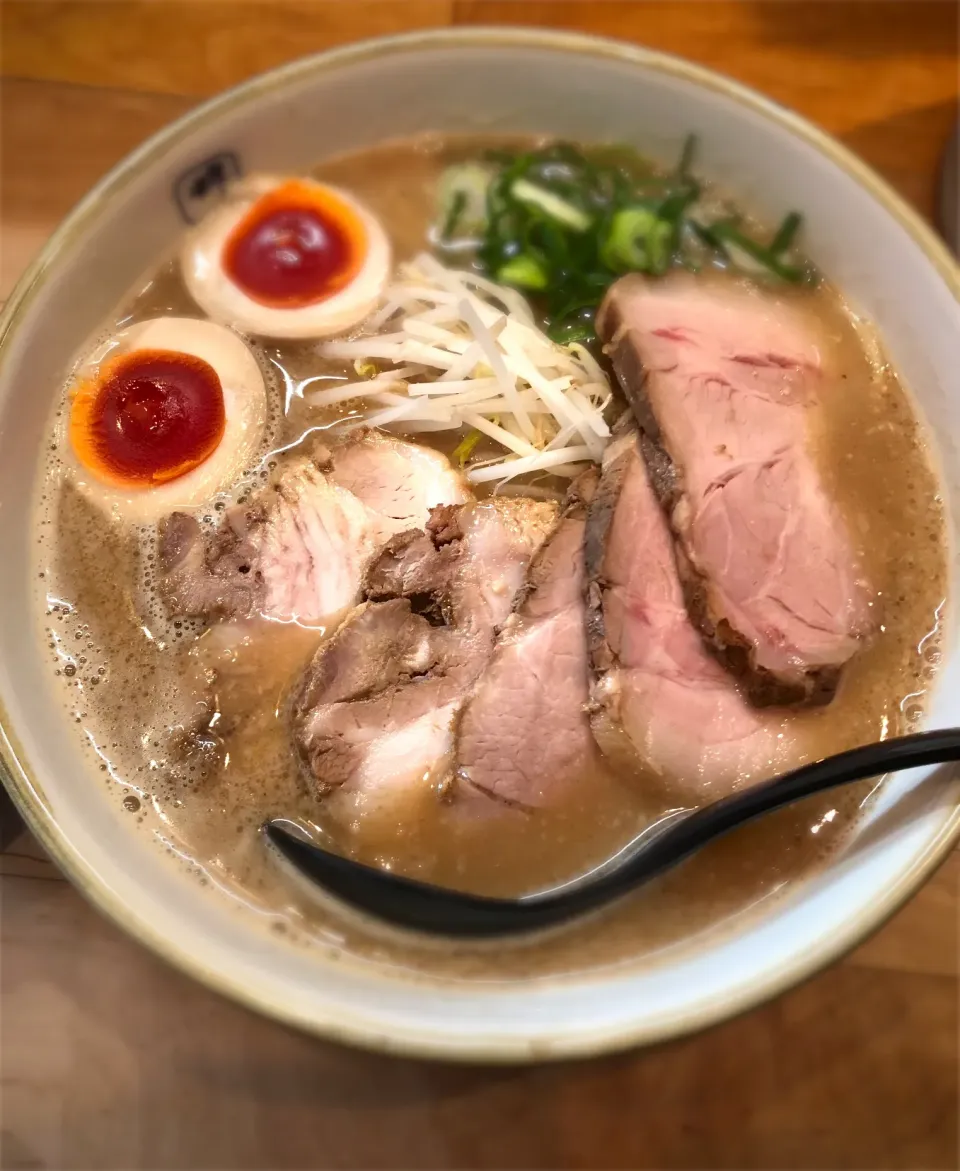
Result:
421,906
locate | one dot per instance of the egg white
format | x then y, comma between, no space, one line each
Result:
245,409
223,300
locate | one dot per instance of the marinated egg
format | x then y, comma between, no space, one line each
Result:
169,413
287,258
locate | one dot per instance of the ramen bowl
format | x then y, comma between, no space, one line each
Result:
889,265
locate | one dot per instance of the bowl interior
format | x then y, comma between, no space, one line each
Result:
490,80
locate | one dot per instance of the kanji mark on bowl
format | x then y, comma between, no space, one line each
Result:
198,188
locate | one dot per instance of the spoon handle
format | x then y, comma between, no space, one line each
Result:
407,902
703,825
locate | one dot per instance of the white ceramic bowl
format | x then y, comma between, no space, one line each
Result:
859,232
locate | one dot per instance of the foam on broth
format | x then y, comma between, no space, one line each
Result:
132,679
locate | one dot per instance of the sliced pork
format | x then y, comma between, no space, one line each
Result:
524,732
299,552
375,712
397,482
374,718
725,383
468,564
660,699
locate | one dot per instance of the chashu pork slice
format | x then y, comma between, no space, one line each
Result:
725,384
299,550
375,712
660,699
374,718
468,564
524,731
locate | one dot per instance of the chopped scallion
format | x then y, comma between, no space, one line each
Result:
786,233
562,223
462,196
638,240
686,156
454,214
551,205
751,257
523,272
464,449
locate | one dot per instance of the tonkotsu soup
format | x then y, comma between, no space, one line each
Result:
474,505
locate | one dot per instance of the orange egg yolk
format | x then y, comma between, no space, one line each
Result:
297,245
147,417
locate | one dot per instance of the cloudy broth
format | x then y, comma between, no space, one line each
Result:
132,679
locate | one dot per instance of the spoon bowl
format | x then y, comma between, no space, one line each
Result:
422,906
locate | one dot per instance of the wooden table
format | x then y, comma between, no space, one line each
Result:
110,1059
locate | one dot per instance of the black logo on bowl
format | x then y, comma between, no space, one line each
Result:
203,185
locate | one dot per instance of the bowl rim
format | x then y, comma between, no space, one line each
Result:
419,1041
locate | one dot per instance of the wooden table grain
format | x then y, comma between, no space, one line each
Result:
111,1060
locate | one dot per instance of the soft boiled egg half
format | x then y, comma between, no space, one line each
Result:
169,413
287,258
